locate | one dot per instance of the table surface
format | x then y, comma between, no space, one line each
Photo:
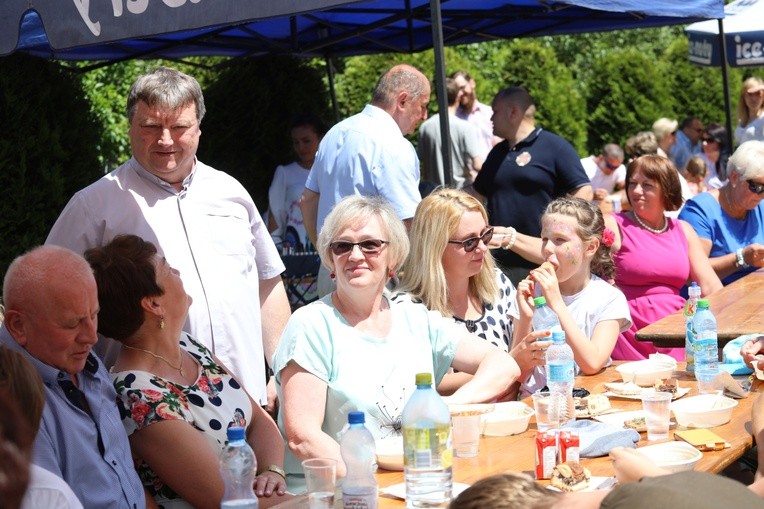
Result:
738,308
516,453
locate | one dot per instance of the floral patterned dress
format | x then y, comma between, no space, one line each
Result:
211,405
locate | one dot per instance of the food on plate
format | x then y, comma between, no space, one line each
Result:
667,385
591,405
636,423
624,388
571,476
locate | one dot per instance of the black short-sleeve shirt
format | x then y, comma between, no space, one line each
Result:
519,183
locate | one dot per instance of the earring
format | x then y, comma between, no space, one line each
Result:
391,274
332,275
161,322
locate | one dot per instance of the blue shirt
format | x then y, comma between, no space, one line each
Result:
91,454
367,155
726,234
683,149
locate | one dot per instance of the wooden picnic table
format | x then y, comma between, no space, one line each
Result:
738,308
516,453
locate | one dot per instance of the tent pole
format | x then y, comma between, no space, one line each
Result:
726,84
440,90
332,90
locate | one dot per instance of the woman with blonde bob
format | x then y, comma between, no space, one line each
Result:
451,270
354,350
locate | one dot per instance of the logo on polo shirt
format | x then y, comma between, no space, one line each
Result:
523,158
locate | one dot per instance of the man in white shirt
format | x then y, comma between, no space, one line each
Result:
606,171
202,221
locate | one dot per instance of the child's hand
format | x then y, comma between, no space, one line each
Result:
546,277
525,294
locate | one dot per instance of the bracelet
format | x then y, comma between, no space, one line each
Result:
276,470
740,263
512,239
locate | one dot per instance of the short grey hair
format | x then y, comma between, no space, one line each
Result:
748,160
397,79
355,211
166,88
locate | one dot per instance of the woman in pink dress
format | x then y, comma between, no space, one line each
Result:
655,256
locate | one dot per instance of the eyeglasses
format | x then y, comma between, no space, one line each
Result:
471,243
368,246
755,187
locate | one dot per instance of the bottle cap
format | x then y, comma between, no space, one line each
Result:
423,379
356,417
702,303
558,336
235,433
539,301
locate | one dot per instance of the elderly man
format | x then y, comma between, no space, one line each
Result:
202,221
51,309
606,171
523,174
367,154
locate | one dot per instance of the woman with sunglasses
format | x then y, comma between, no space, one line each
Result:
730,220
451,270
716,153
355,350
750,111
655,256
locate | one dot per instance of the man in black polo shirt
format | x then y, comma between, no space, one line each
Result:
523,173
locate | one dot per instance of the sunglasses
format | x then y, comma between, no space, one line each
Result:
368,246
471,243
755,187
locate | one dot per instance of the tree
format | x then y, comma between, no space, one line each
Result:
49,149
245,132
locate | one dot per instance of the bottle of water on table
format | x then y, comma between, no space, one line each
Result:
359,489
706,343
543,317
427,453
560,374
690,308
237,467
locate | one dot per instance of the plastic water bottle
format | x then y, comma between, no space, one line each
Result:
427,452
543,317
237,467
359,489
689,312
706,342
560,374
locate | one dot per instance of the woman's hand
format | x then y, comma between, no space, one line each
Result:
531,351
268,483
752,351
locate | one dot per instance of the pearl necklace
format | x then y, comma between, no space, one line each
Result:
179,369
657,231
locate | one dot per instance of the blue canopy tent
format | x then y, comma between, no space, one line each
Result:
171,29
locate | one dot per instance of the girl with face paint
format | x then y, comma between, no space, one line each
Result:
577,285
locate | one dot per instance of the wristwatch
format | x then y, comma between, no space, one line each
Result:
740,263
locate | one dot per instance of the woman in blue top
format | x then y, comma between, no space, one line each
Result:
730,220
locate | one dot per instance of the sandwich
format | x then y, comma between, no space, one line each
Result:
571,476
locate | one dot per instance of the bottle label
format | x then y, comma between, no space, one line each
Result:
368,501
428,448
689,350
561,372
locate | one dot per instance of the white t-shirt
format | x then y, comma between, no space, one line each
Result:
598,177
47,490
598,301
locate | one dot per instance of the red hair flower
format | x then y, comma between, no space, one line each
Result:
608,237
